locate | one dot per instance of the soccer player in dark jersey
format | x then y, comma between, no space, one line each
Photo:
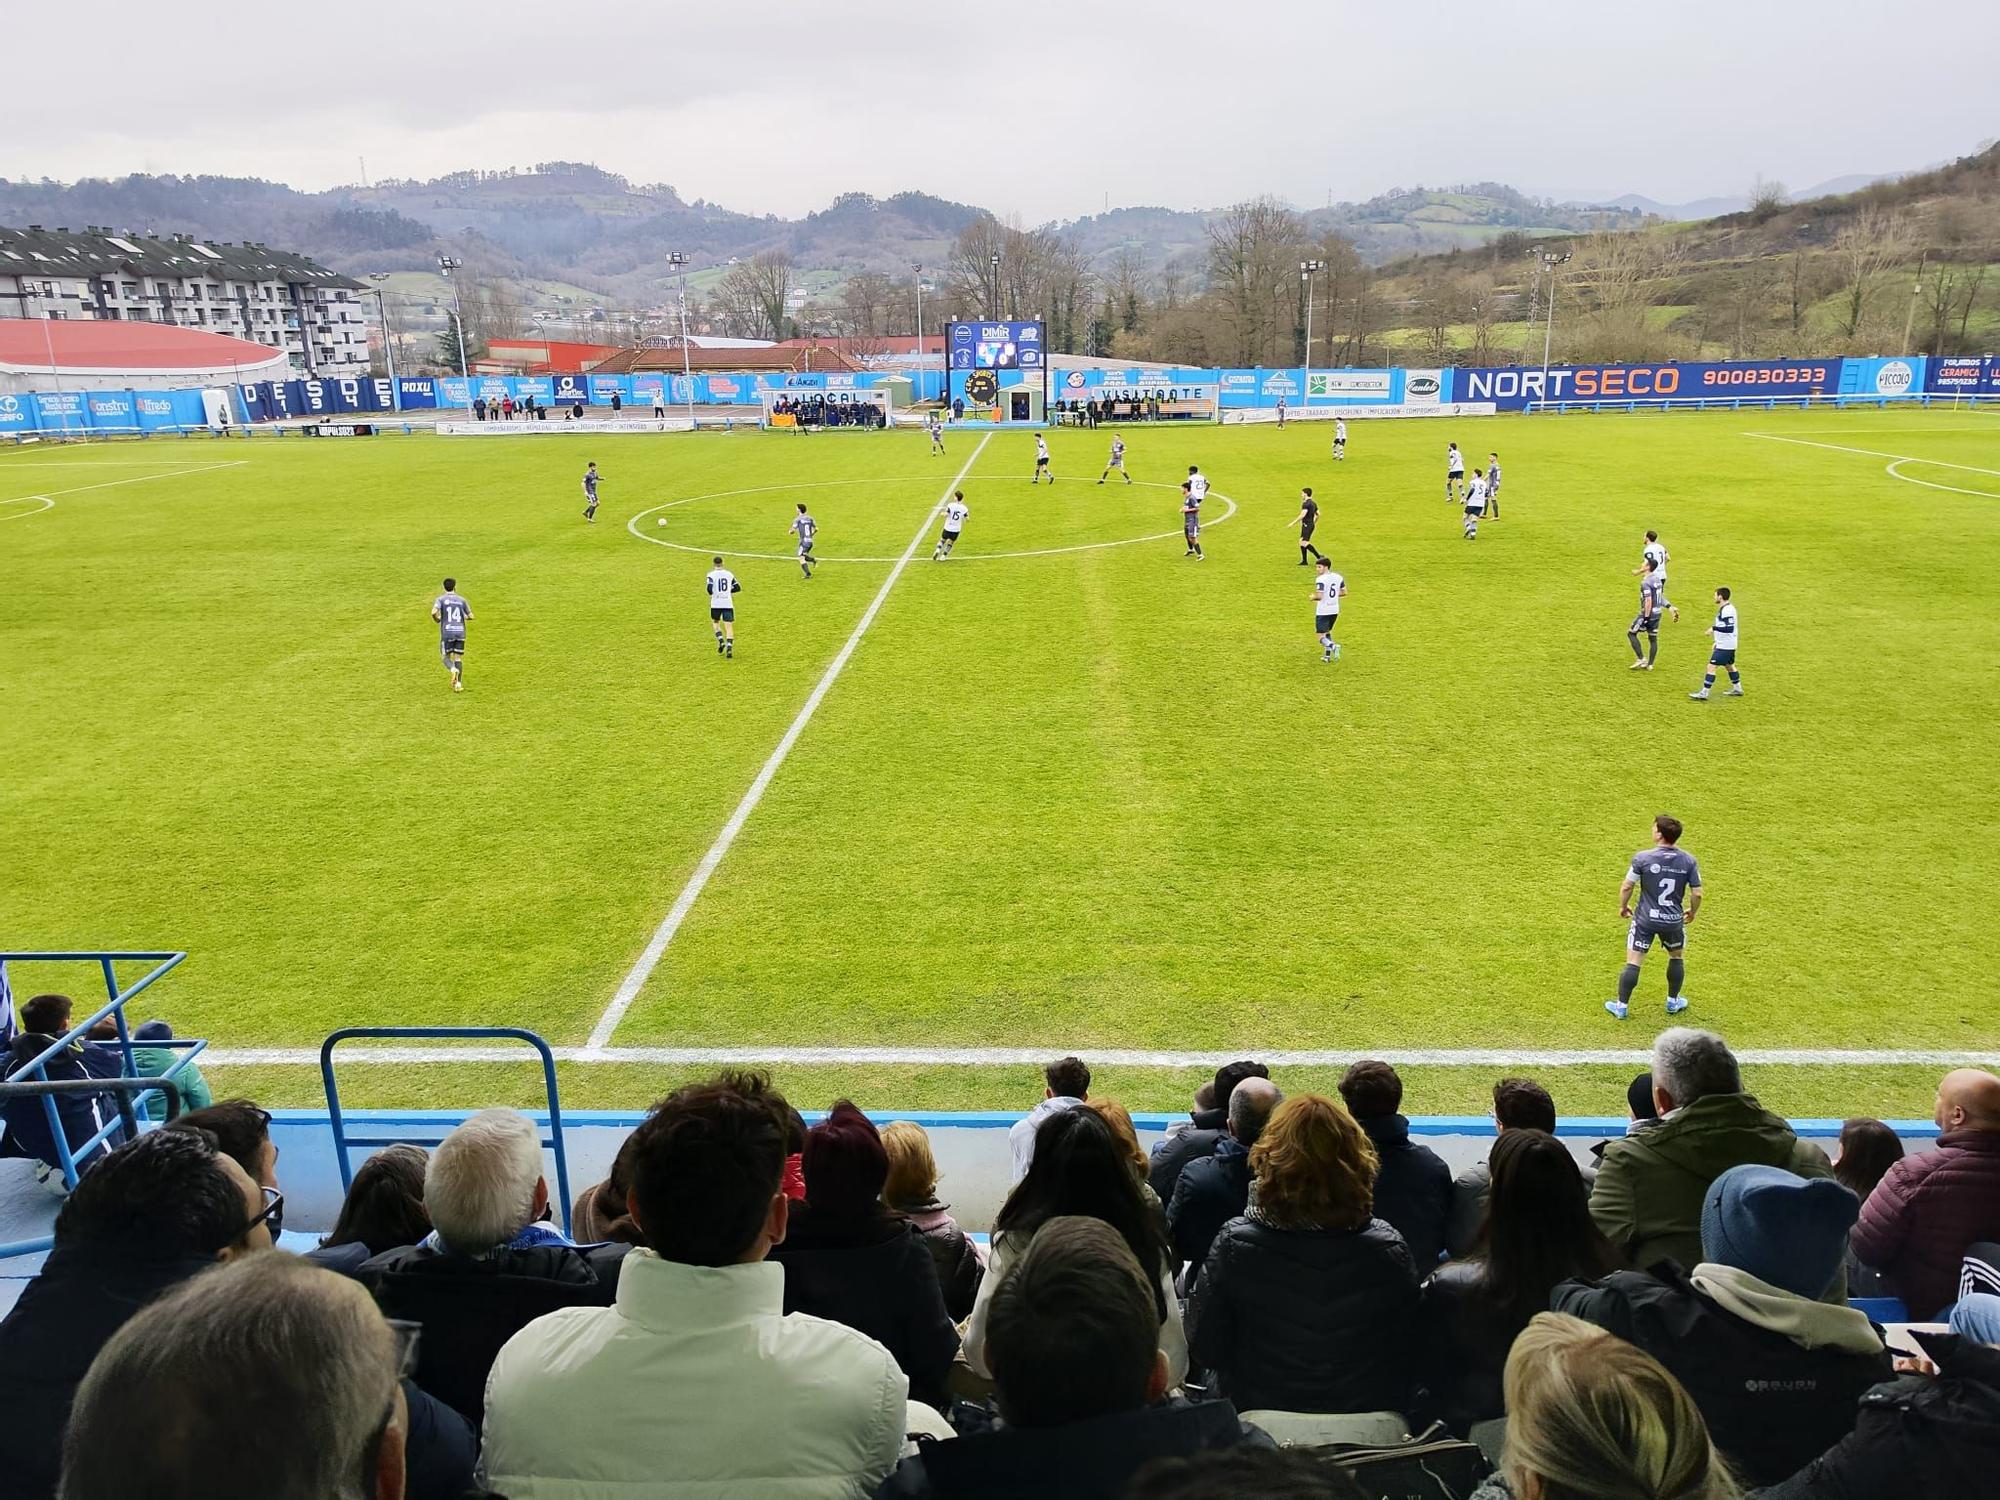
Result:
590,494
1191,518
451,612
805,528
1667,883
1307,520
1647,621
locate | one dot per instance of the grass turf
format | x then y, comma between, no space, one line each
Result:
1100,798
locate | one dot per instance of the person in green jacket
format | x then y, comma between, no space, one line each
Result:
151,1062
1648,1195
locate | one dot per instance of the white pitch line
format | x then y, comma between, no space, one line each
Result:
1908,458
47,504
1895,471
112,484
649,959
993,1057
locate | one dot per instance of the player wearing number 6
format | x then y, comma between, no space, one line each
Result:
1667,882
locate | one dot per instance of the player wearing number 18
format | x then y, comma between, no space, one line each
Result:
723,588
1667,882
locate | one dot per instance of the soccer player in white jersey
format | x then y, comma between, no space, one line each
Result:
1328,589
955,512
1724,655
805,528
1194,490
937,433
1655,555
1117,462
1042,461
1454,472
451,612
723,588
1339,438
1475,505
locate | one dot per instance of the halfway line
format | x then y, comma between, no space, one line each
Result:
641,971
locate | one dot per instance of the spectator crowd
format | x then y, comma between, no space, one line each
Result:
749,1307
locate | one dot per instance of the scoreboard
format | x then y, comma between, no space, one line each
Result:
984,358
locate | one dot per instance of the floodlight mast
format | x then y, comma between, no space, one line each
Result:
679,262
1307,270
917,268
1549,263
446,265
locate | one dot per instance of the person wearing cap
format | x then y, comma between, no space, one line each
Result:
1776,1372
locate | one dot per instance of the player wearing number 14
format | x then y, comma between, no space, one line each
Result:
1667,882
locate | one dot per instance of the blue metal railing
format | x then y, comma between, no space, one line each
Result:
344,1143
134,1087
36,1069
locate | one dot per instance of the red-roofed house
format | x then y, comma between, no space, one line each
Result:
46,354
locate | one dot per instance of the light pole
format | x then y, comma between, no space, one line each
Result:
680,263
1549,262
917,269
996,286
446,265
1307,270
388,342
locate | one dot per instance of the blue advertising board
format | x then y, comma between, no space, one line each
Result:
997,345
1513,387
1963,375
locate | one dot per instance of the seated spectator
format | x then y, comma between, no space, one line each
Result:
1413,1185
150,1061
1868,1148
911,1190
1078,1376
1080,1168
1775,1371
45,1019
696,1379
1119,1118
1639,1110
1536,1231
599,1215
1068,1083
1518,1104
1589,1417
146,1218
849,1258
1929,1208
1200,1133
270,1377
1650,1186
242,1133
1229,1473
1309,1302
383,1211
1934,1429
490,1265
1216,1189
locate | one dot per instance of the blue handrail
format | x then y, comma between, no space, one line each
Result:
36,1069
343,1142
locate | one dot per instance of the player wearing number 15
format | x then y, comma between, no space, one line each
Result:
1667,883
722,591
452,612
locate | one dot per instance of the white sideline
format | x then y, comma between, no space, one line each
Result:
992,1057
1906,458
649,959
112,484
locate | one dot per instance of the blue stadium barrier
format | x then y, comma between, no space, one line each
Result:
343,1143
1881,1309
36,1070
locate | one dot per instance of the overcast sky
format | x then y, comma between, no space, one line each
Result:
1042,114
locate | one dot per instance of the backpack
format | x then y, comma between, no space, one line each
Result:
1434,1465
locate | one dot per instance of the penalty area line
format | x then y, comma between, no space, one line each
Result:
996,1057
656,946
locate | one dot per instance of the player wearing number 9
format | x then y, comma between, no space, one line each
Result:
1667,882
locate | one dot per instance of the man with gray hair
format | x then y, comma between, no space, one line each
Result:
1216,1189
492,1263
1649,1189
268,1376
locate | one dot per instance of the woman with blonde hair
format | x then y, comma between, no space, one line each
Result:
911,1190
1309,1302
1119,1118
1590,1417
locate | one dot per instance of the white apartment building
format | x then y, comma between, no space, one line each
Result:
317,318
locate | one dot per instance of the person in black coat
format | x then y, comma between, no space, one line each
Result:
911,1190
1413,1185
1309,1302
1073,1341
1207,1124
1775,1371
850,1259
1216,1189
44,1020
148,1217
1922,1433
1536,1232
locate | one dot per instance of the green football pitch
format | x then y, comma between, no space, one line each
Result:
1067,791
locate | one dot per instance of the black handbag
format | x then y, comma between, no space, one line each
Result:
1431,1466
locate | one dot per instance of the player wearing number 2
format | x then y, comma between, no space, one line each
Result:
1667,881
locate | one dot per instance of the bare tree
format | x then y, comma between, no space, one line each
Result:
757,290
1867,245
1253,249
864,305
1767,200
1125,286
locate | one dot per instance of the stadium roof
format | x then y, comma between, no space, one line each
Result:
89,346
97,251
